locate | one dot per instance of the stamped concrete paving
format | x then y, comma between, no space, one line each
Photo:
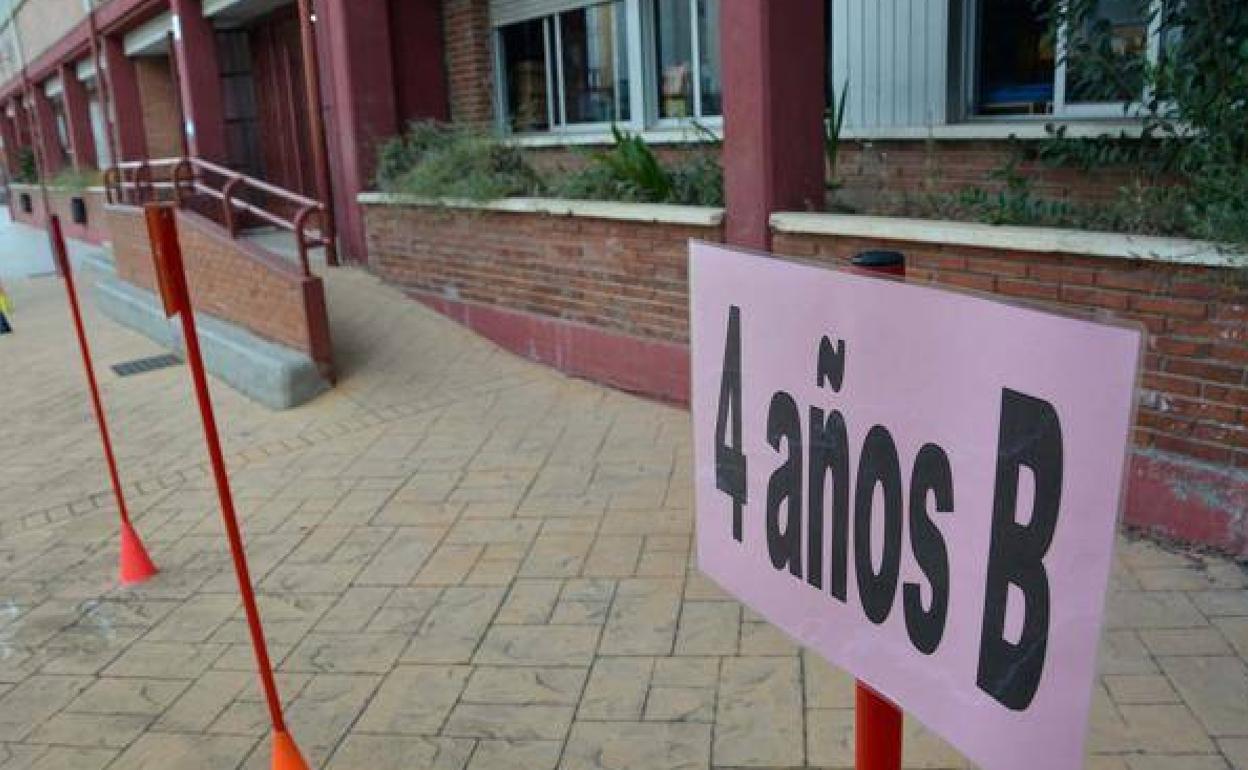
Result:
464,561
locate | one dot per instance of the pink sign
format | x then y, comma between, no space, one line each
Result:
921,485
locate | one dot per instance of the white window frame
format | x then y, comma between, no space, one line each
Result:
655,77
1062,110
643,81
556,96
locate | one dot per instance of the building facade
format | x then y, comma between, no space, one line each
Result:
938,95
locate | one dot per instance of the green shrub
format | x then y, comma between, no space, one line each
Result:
630,170
76,180
439,161
1195,120
27,171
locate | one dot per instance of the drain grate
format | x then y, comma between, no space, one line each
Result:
141,365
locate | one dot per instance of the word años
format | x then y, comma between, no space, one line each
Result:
817,451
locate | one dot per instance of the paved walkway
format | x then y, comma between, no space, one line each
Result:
465,561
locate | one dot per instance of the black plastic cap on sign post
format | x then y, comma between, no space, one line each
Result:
881,261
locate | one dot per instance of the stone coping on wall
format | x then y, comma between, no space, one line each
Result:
1047,240
93,189
704,216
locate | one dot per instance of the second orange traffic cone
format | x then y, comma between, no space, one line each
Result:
136,565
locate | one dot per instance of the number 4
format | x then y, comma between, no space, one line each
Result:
729,459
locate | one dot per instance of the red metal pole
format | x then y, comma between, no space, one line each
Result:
316,125
877,722
135,564
168,253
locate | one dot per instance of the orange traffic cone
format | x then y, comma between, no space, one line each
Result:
286,754
136,565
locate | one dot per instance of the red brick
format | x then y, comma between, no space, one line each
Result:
1169,306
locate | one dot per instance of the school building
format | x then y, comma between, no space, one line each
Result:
263,114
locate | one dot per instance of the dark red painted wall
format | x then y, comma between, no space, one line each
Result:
416,48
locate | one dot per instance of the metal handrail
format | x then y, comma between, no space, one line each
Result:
188,176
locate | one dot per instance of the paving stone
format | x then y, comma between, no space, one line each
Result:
616,690
449,565
556,556
1152,609
453,628
346,653
766,639
201,703
1236,752
165,660
827,687
161,751
709,628
144,697
1140,688
525,686
405,610
680,704
29,703
478,720
759,716
393,752
686,671
1235,629
529,602
643,618
1216,689
108,731
637,746
414,700
614,556
1219,603
195,620
401,558
508,755
326,709
537,646
1187,641
70,758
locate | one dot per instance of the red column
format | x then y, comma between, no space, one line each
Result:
127,105
773,112
354,38
52,155
199,78
78,116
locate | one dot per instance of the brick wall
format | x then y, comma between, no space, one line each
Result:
233,281
466,34
628,277
877,175
161,120
602,299
94,231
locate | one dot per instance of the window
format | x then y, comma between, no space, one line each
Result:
686,40
1017,66
632,62
589,79
61,129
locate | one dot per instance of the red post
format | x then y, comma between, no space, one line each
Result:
877,722
136,566
162,229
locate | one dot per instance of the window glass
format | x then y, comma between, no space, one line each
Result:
1016,63
594,52
1108,54
708,56
524,68
673,38
676,47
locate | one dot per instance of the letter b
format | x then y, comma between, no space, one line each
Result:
1031,436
